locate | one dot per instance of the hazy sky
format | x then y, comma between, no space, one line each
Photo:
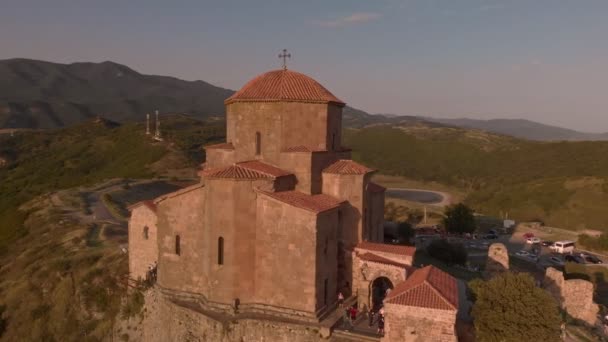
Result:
545,60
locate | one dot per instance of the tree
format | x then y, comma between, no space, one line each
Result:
510,307
404,232
459,219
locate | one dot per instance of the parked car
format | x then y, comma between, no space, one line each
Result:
532,240
592,259
574,258
491,236
528,235
522,253
557,261
546,243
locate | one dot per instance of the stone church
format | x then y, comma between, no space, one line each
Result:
281,221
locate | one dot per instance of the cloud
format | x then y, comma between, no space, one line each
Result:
353,19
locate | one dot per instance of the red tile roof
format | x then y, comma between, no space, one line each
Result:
252,169
303,148
373,187
428,287
149,204
284,85
386,248
381,260
315,203
347,167
222,146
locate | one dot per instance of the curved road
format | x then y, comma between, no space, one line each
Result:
420,196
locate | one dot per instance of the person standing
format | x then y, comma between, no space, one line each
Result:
353,314
340,299
371,317
381,324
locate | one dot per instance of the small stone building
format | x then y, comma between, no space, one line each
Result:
379,265
422,308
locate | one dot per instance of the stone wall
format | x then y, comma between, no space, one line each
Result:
281,125
376,217
181,214
165,320
143,251
409,324
285,255
574,295
498,260
217,157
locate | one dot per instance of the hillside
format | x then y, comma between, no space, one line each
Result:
521,128
97,150
563,183
38,94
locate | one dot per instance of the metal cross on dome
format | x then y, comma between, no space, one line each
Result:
284,55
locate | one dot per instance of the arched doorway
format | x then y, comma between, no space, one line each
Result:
378,290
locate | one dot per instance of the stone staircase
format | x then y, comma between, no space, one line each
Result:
344,336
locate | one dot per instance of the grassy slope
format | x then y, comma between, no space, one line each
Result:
89,153
563,183
61,280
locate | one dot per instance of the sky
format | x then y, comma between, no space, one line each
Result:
542,60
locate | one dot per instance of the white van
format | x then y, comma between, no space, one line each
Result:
563,247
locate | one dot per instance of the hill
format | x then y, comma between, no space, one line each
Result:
563,183
38,94
87,153
521,128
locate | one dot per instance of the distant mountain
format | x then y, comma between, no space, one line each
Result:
38,94
522,128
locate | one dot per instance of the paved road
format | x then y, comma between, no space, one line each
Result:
420,196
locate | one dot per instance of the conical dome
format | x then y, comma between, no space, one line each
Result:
283,85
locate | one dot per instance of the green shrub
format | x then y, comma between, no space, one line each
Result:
510,307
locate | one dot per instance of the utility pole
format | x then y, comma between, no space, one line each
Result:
147,123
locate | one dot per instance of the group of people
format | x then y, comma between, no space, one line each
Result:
376,317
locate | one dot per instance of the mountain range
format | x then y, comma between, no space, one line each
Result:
41,95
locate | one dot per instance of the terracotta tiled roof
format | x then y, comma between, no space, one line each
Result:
386,248
222,146
381,260
373,187
347,167
315,203
284,85
149,204
428,287
303,148
246,170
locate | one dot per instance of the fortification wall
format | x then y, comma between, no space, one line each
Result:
164,321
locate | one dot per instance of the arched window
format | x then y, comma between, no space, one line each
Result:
178,247
146,229
333,141
258,143
220,251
